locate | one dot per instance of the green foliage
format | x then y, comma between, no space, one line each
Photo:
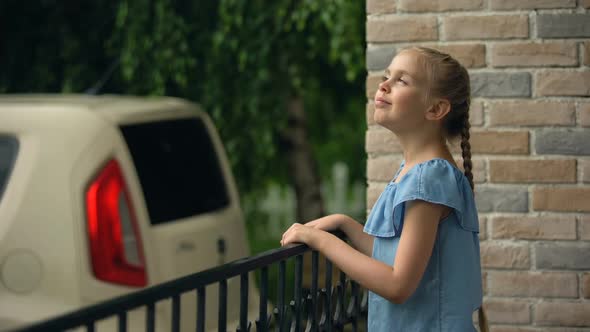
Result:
152,39
278,50
53,46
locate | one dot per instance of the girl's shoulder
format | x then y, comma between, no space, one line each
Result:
439,181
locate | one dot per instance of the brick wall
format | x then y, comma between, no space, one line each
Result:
529,65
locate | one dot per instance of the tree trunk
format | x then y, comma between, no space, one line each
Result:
302,165
306,180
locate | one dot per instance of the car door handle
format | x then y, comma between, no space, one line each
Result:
221,249
221,246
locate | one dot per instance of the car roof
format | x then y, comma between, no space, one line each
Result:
111,107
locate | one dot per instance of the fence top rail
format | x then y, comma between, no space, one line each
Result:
167,289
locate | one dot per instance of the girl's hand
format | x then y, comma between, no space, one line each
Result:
327,223
299,233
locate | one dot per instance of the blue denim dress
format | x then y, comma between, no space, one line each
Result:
450,289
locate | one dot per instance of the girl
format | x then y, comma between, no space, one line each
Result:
418,253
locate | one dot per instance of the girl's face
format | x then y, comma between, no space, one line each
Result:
400,102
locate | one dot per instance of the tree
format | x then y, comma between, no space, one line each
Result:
285,52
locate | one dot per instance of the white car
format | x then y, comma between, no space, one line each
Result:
103,195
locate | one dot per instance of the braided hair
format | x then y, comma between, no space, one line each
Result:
448,79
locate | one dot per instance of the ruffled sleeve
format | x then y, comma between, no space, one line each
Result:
435,181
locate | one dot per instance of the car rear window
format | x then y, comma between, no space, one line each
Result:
178,168
8,152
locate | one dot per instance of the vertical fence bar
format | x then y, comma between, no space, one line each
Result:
262,324
340,316
281,296
297,292
314,290
90,327
222,309
122,321
176,313
328,304
354,310
150,318
201,309
244,302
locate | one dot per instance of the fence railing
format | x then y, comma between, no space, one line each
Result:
331,308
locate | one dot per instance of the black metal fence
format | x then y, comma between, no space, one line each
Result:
330,308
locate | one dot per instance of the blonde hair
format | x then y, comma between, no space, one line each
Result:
448,79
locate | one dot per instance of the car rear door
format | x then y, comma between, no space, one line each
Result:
194,219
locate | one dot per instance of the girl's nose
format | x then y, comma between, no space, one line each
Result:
384,86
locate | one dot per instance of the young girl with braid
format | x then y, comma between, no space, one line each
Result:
418,252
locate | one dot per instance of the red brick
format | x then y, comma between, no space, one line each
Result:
485,27
479,170
533,171
561,199
505,328
585,169
482,228
561,313
479,166
401,28
584,114
439,5
531,113
587,51
521,328
381,140
382,168
534,54
380,6
476,116
563,83
507,311
500,142
469,55
531,4
494,255
534,228
584,227
586,285
532,284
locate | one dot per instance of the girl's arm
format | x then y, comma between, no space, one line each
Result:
395,283
360,240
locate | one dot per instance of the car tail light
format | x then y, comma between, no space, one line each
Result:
115,244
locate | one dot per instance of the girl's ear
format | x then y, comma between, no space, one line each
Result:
438,110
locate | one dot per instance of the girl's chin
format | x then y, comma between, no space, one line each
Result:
384,120
380,115
380,120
